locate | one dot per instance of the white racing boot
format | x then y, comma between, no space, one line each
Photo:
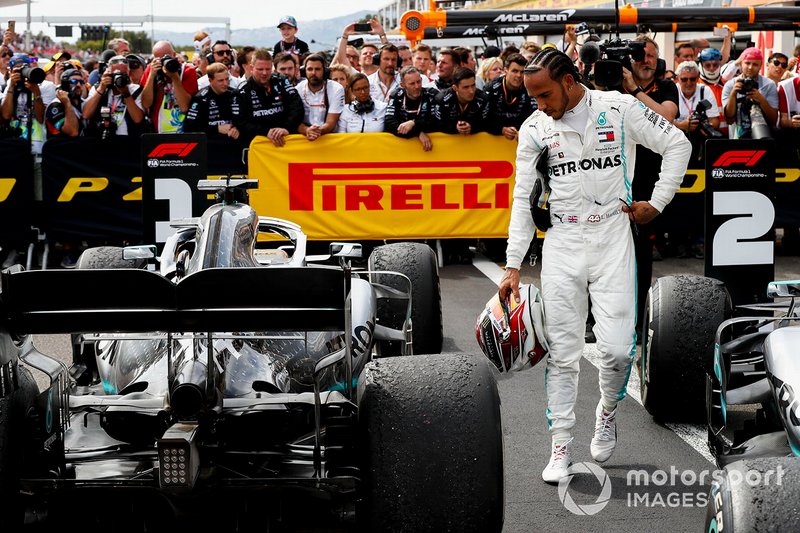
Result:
605,434
560,461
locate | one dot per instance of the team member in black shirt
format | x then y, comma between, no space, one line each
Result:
268,104
410,108
210,110
507,101
460,109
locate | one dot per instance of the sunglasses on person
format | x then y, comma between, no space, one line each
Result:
779,63
134,65
686,80
6,54
223,52
75,81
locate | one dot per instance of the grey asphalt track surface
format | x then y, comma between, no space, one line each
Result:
643,445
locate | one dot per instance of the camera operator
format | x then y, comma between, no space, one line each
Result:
168,88
409,111
114,105
23,102
210,111
267,104
748,96
63,116
507,101
698,114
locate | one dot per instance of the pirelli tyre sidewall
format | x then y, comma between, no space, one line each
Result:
755,495
431,446
418,262
681,317
107,257
15,447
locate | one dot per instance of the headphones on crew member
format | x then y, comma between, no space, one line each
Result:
376,58
363,107
326,72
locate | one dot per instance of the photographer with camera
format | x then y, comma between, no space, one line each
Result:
23,102
64,116
168,89
750,101
698,114
114,105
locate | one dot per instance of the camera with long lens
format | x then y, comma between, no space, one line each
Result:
699,114
32,74
759,129
170,64
616,54
108,127
120,80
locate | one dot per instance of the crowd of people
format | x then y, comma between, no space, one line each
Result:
380,87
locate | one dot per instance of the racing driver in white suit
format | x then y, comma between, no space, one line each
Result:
589,139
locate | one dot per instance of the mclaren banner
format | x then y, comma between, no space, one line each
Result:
377,186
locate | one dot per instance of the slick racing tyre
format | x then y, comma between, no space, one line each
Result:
14,409
418,262
681,317
107,257
431,443
755,495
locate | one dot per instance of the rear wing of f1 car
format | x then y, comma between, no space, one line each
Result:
216,300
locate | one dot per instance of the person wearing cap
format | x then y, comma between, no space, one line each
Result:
765,95
121,102
24,104
135,67
63,117
289,41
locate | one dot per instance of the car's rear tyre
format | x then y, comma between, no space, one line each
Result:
418,262
14,408
755,495
101,257
432,445
107,257
681,317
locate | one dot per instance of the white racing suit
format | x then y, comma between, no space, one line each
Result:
589,249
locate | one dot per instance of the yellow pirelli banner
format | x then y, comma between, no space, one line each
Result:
378,186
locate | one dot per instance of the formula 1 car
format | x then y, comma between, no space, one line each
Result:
239,388
745,361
